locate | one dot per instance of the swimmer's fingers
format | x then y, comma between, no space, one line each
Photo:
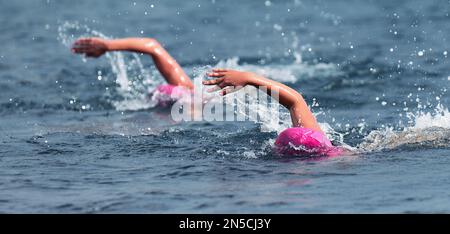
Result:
91,47
229,89
84,50
219,70
215,74
88,52
82,42
82,45
81,49
88,43
213,82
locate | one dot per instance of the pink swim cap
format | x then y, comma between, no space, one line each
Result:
165,95
304,141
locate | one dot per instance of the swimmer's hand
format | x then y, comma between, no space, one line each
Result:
228,81
91,47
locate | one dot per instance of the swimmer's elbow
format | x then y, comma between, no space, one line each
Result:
296,102
150,42
147,45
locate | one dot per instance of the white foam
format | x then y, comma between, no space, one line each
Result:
249,155
439,118
430,128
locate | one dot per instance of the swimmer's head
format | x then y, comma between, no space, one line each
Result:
302,141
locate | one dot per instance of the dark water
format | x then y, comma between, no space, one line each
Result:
71,142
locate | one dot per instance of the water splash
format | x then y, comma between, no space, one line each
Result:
258,107
430,129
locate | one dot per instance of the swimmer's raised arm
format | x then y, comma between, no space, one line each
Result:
228,80
167,66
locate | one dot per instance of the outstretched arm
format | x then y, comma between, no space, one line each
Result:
167,66
228,80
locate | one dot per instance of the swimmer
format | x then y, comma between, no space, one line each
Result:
178,83
305,136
